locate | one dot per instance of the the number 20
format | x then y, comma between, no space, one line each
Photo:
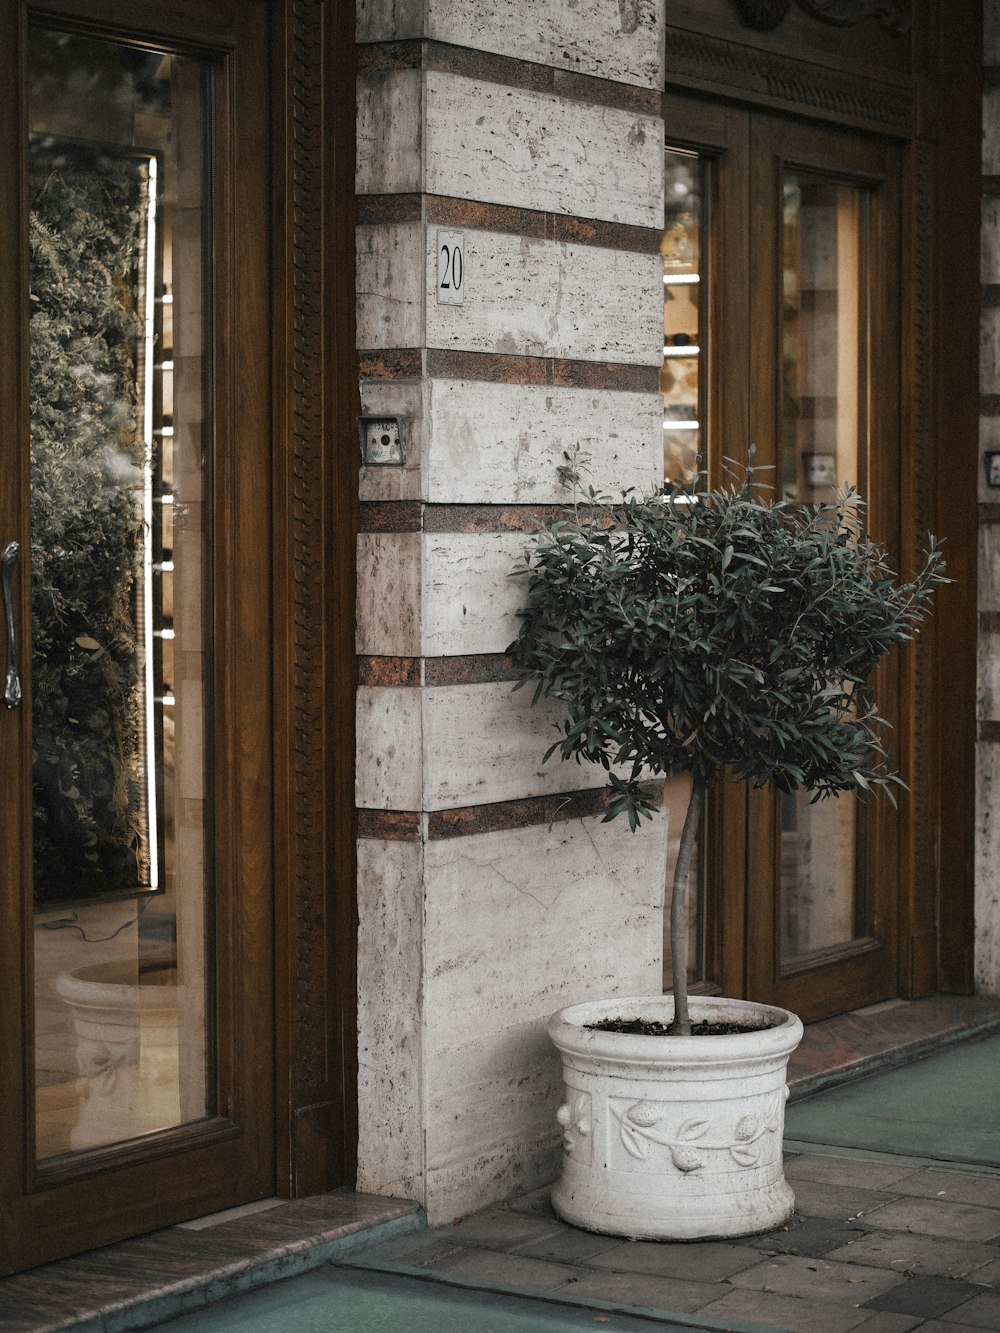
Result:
451,268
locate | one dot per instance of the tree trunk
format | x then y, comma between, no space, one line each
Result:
681,1026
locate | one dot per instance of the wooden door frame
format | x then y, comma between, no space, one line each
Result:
928,98
316,397
307,138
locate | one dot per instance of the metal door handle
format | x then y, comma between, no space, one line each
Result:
12,683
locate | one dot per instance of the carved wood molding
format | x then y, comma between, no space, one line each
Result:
712,63
301,583
765,15
892,14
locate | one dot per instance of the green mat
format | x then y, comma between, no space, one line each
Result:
335,1300
945,1107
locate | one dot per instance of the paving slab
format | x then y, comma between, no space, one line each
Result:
790,1314
838,1202
907,1252
568,1245
817,1279
981,1311
847,1172
926,1296
641,1291
501,1229
937,1217
884,1322
709,1261
498,1269
814,1237
956,1186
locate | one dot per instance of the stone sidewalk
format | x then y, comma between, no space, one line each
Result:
884,1244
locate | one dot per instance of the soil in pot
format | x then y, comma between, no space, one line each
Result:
648,1027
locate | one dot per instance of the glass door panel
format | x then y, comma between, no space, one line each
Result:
823,439
822,879
120,542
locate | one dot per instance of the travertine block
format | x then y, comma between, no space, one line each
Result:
988,692
396,398
504,442
991,132
517,924
471,441
549,298
612,39
390,1028
989,267
989,567
503,145
390,158
989,439
388,767
987,863
991,32
469,592
989,350
391,269
389,20
389,594
484,743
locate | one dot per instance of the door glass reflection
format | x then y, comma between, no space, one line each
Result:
683,248
824,428
119,560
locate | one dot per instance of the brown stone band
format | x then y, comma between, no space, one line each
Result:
411,672
441,210
412,363
485,67
404,825
416,516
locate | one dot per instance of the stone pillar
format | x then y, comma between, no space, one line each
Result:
490,891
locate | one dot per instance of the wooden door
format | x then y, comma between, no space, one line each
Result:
136,879
798,354
823,878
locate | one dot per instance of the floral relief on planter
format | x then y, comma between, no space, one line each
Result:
695,1143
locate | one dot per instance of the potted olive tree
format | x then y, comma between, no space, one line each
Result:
729,636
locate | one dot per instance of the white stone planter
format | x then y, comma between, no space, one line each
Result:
673,1138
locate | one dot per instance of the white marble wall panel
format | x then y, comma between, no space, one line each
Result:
388,763
470,594
390,158
505,441
989,567
504,145
991,132
987,958
519,923
989,350
549,298
388,20
389,604
393,398
391,281
988,691
484,743
991,32
989,267
390,1056
612,39
989,439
